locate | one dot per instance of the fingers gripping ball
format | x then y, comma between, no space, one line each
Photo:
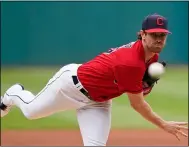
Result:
156,69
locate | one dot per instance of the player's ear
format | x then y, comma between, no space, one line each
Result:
143,34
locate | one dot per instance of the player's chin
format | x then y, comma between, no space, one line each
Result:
157,49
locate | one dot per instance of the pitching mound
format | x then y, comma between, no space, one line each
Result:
73,138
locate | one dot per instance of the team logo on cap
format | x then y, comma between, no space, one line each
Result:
159,21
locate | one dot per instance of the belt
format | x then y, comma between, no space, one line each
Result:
82,90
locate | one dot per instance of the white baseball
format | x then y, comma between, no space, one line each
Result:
156,69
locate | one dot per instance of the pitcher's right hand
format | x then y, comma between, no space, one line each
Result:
176,128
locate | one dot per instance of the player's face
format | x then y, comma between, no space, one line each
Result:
155,42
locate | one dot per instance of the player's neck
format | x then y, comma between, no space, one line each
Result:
148,54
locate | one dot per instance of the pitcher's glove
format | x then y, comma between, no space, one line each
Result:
148,82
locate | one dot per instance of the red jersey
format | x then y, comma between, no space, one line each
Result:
113,73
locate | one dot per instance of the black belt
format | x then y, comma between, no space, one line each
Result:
82,90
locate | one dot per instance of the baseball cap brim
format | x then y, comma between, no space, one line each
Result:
158,30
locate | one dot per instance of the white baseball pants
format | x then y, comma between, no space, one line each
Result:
62,94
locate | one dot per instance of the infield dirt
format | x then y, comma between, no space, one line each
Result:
73,138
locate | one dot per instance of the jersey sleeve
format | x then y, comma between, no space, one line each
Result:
129,78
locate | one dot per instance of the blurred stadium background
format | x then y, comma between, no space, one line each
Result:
37,38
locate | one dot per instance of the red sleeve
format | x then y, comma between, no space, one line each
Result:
129,78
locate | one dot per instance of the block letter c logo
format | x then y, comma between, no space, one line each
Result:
159,21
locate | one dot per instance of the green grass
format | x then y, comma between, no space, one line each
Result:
169,99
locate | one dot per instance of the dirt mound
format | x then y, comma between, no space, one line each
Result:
73,138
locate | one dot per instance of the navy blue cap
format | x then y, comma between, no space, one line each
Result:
155,23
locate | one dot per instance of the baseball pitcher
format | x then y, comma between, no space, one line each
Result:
90,87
